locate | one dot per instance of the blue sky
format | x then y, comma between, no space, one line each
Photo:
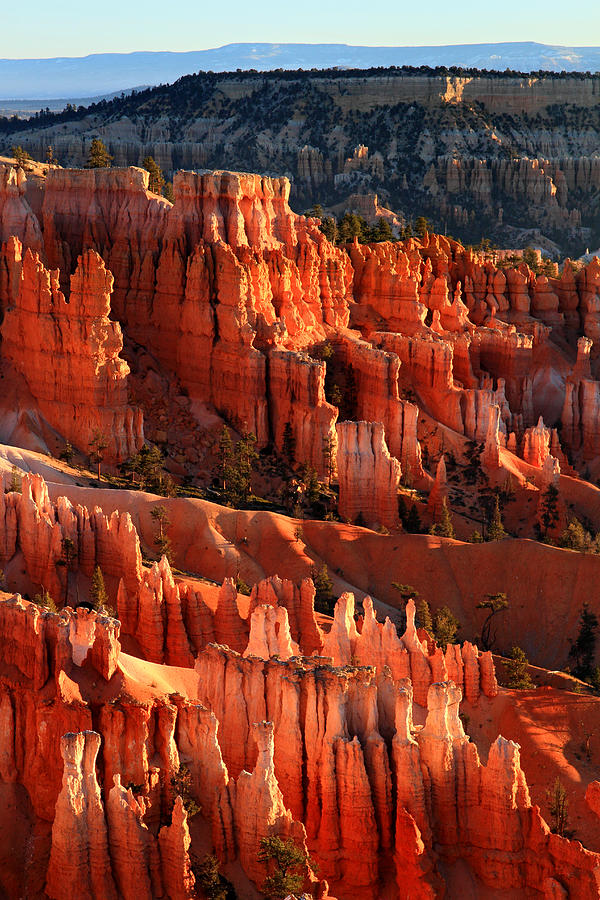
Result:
69,28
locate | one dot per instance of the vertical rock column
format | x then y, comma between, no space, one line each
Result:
368,474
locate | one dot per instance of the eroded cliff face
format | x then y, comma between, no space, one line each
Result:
237,297
67,350
466,150
271,747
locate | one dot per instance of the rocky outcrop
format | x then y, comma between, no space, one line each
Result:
79,861
68,353
368,475
330,739
17,219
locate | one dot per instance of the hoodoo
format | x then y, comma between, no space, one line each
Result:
296,535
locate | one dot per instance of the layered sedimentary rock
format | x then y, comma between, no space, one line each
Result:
368,474
229,289
17,219
68,352
79,862
331,739
473,174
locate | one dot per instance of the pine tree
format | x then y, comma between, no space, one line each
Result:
67,453
290,863
99,157
98,445
444,528
21,157
245,458
413,521
14,485
98,595
288,446
161,540
549,517
583,648
312,486
445,626
382,231
516,668
157,180
496,530
324,599
226,460
422,226
494,604
423,616
210,880
329,455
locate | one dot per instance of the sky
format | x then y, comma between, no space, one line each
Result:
69,28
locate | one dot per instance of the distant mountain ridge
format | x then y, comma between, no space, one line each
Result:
103,73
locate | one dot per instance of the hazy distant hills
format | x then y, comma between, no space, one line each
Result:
103,73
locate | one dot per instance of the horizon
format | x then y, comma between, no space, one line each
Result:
36,31
388,46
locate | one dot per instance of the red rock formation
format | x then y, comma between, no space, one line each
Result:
72,365
79,861
17,219
299,603
270,634
439,491
297,399
174,843
368,475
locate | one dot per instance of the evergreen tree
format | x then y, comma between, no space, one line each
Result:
15,485
98,445
423,616
583,648
245,458
157,180
413,521
382,231
496,530
21,157
210,880
312,487
98,595
445,626
50,157
181,786
516,668
549,509
422,226
324,599
288,863
226,461
289,443
444,528
161,540
168,192
575,537
329,455
45,601
330,229
99,157
494,604
67,453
